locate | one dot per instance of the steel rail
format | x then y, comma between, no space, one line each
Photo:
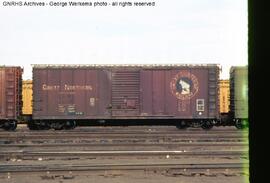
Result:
25,153
188,144
117,135
126,131
94,167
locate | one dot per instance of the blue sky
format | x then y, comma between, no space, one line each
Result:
174,31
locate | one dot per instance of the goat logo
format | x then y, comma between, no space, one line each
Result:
184,85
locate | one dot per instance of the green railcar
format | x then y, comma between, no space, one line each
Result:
239,96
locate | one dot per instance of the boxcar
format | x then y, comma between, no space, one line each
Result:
27,98
183,95
10,96
239,96
224,95
27,93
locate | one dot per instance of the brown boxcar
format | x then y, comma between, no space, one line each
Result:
10,96
68,93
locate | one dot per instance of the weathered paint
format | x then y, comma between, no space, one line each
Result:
125,92
90,92
239,92
224,95
71,93
175,92
27,92
10,92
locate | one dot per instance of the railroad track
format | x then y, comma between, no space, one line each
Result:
179,153
120,135
125,148
131,130
127,131
184,168
204,144
123,140
74,150
22,127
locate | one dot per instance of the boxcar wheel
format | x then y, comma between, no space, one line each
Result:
33,126
182,125
207,125
238,124
245,124
10,126
70,125
57,126
13,125
43,126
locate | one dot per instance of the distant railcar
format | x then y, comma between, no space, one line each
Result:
10,96
239,96
27,93
224,95
183,95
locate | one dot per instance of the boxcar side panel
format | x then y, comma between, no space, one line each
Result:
213,91
103,99
90,98
239,92
40,95
53,82
65,96
70,93
125,92
200,101
171,102
2,94
11,88
180,93
158,96
146,96
78,106
181,88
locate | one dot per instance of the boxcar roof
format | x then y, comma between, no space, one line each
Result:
7,66
233,68
115,66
